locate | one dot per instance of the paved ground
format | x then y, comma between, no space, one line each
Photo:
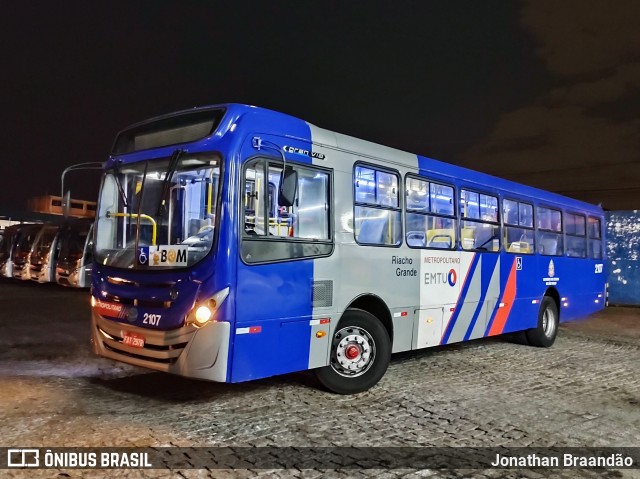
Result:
585,391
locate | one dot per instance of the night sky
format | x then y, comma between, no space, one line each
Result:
541,91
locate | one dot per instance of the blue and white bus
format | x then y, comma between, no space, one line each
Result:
234,243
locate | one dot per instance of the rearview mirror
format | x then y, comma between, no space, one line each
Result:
288,187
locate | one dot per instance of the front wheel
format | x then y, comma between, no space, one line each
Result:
360,354
544,334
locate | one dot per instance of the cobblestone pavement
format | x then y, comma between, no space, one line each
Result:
584,391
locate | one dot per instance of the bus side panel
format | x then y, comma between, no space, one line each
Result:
502,313
579,286
577,283
386,272
490,294
273,314
521,272
469,281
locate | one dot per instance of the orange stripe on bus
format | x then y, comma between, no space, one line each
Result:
507,298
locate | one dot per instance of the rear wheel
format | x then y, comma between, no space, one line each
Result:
544,334
360,354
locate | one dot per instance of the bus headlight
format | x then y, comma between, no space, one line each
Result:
203,314
205,311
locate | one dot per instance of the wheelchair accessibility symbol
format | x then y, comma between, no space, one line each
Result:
143,255
518,263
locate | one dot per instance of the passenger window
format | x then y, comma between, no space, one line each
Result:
510,212
430,221
519,235
595,241
377,216
376,187
417,194
480,223
442,199
470,204
489,208
575,228
549,235
594,228
526,215
265,221
575,225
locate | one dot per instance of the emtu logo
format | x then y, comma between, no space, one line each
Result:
441,278
452,277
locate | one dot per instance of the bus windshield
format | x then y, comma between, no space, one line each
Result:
72,243
44,242
5,243
158,213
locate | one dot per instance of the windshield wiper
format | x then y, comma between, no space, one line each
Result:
166,184
123,195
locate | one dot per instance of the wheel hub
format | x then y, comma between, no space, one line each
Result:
548,323
353,351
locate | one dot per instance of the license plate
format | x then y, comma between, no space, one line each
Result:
133,340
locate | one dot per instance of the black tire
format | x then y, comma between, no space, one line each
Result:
361,335
519,337
544,334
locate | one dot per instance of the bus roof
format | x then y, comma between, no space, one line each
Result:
233,112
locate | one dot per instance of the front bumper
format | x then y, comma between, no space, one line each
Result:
200,353
22,272
39,274
74,277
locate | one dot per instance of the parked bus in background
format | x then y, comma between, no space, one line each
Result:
7,247
22,252
44,253
234,243
75,256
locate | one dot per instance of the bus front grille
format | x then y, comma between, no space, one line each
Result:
139,356
160,347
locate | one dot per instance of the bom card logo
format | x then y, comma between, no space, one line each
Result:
163,255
